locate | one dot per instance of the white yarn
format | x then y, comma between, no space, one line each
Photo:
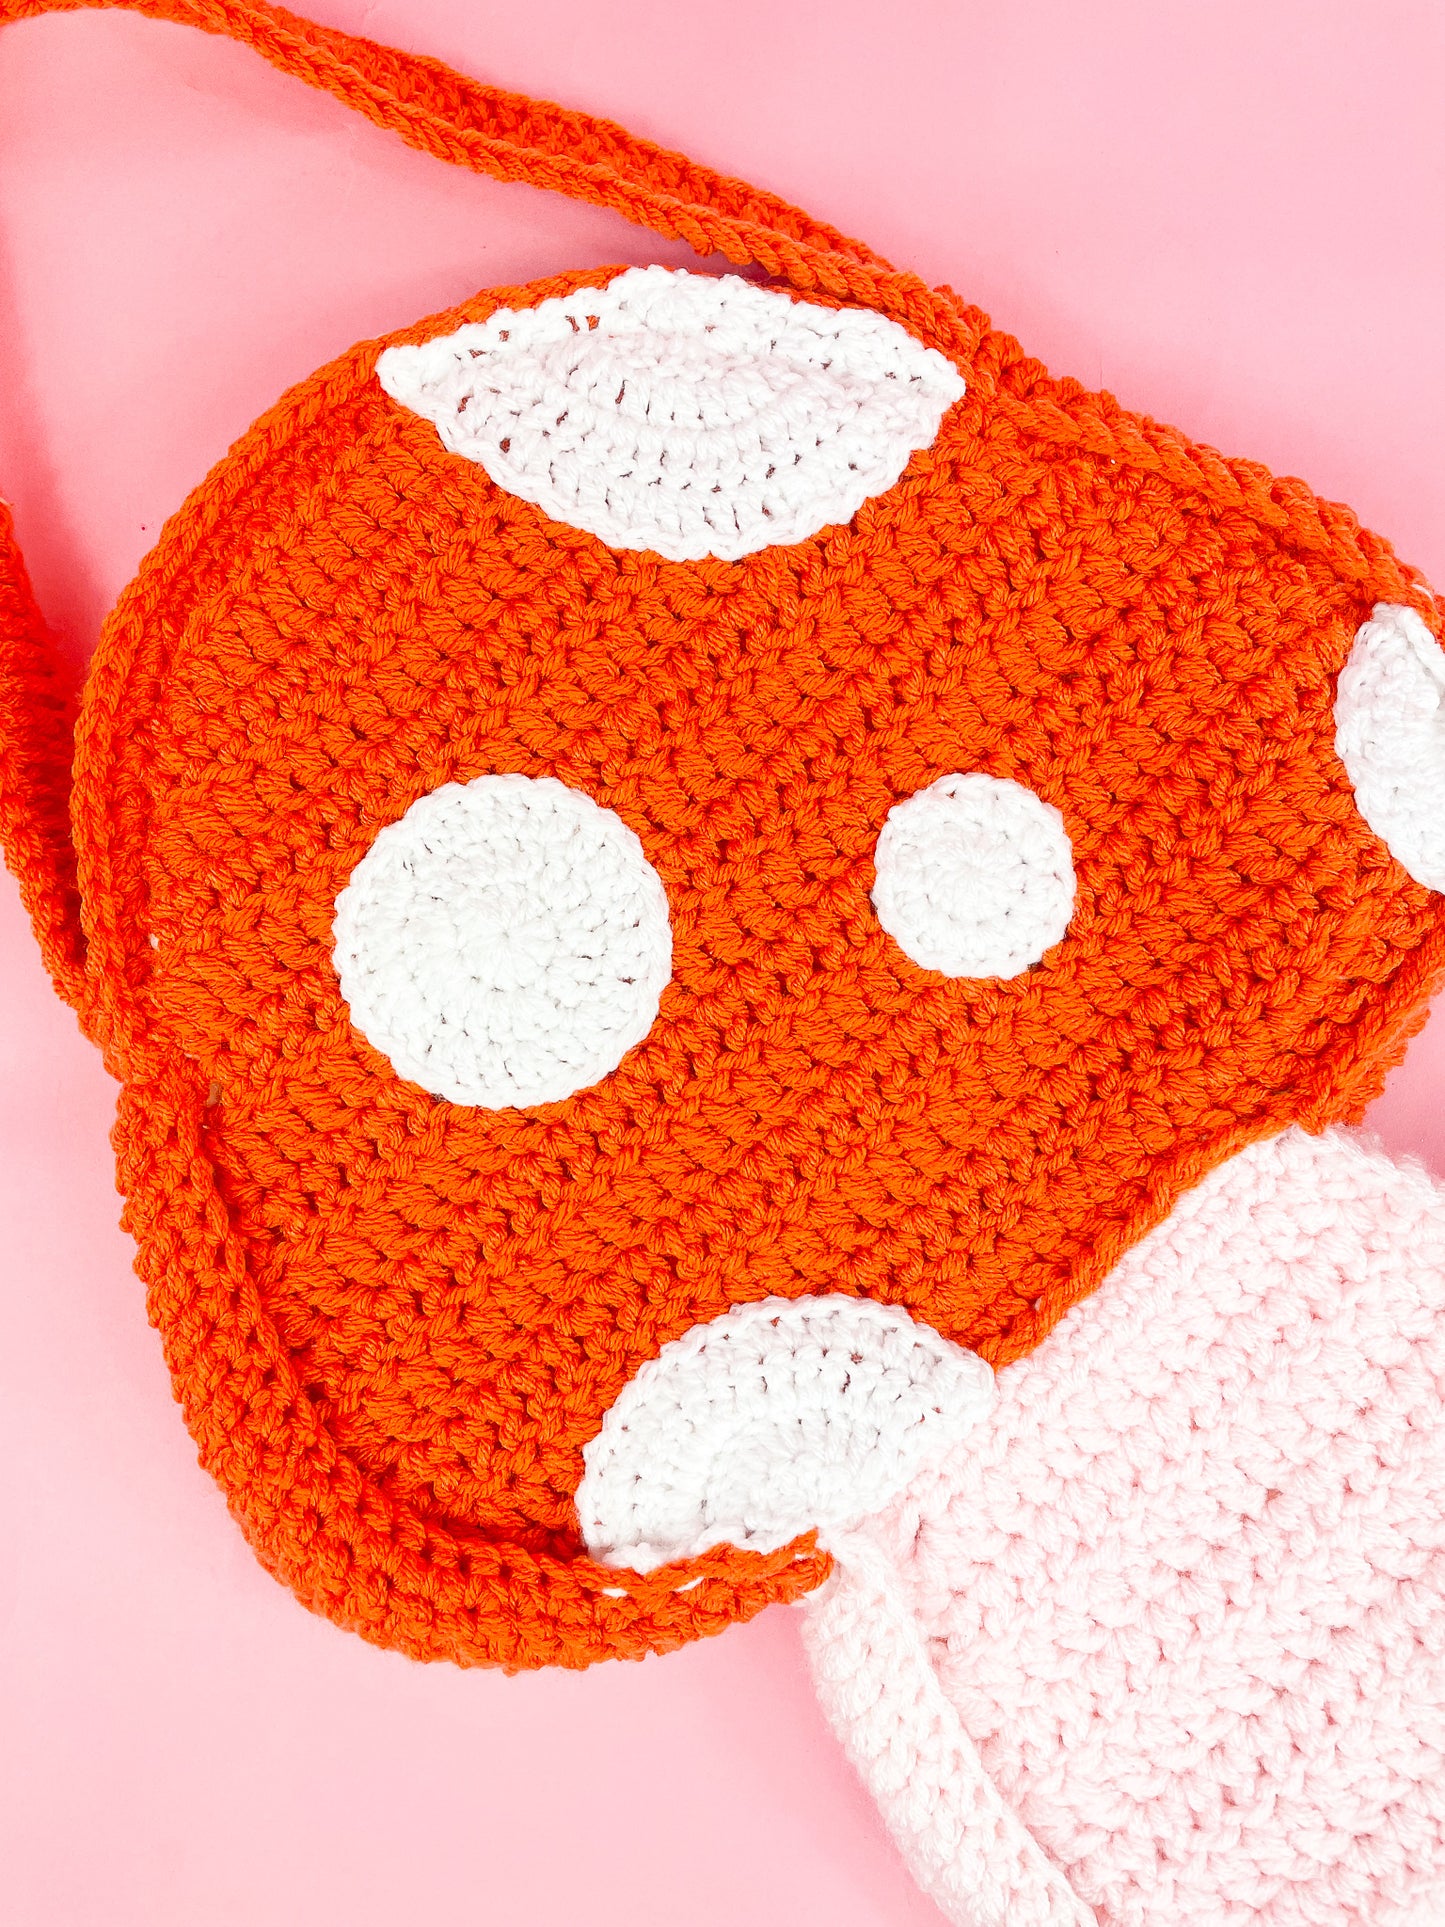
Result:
683,413
975,876
768,1421
505,942
1182,1600
1390,736
965,1845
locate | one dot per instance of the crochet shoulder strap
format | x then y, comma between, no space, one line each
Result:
443,113
516,138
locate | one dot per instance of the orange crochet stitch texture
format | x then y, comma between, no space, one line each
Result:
395,1321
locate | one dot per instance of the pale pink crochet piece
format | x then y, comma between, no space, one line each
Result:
1164,1640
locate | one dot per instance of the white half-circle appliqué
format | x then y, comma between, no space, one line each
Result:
1390,736
689,414
773,1420
975,876
505,942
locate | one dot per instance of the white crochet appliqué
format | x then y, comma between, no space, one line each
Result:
505,942
683,413
771,1420
1390,736
975,876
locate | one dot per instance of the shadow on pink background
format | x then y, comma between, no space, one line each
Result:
1233,217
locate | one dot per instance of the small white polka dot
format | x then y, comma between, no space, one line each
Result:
975,876
505,943
1390,736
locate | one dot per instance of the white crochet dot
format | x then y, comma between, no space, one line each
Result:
975,876
688,414
1390,736
771,1420
505,942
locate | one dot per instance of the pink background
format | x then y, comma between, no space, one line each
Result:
1233,216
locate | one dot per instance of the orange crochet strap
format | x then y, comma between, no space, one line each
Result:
442,113
515,138
35,727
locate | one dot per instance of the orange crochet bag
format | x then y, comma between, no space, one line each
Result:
651,795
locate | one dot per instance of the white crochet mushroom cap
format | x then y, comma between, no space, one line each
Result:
688,414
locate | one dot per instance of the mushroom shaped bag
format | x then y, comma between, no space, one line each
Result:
734,929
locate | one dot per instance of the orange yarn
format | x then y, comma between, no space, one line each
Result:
393,1321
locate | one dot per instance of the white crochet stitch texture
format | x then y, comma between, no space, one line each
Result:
1390,736
688,414
975,876
773,1419
505,942
1164,1641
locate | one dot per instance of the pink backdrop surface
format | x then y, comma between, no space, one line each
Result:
1233,217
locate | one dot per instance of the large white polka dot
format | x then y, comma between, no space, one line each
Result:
689,414
975,876
776,1418
1390,736
505,942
